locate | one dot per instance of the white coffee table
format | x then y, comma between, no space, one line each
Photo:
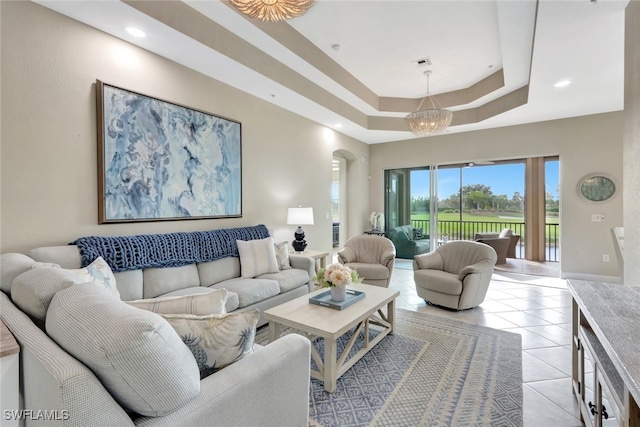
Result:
317,321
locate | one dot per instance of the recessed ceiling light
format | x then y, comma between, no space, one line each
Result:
135,32
562,83
338,125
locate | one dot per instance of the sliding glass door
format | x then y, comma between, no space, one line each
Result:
397,208
411,199
454,202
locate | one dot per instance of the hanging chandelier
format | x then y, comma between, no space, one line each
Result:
273,10
430,121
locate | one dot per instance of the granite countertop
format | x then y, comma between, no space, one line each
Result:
613,312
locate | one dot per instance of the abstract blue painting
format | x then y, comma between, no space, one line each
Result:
162,161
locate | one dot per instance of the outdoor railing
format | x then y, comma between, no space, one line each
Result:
466,230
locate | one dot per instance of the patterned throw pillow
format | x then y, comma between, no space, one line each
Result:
217,340
417,234
199,304
99,273
257,257
282,255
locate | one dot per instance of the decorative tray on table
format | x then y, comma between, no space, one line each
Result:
324,299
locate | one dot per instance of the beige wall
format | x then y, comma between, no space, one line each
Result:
48,173
632,145
584,144
48,189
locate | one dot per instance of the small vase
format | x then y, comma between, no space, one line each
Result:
338,293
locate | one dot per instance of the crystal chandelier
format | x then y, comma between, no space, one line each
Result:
429,121
272,10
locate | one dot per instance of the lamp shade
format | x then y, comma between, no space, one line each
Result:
300,216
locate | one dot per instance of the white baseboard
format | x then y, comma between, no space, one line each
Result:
590,277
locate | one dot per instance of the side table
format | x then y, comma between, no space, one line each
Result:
319,256
376,233
9,365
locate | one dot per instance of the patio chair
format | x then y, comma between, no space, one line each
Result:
505,233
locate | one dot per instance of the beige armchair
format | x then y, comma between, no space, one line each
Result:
372,257
456,275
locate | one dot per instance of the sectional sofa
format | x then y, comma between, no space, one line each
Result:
268,386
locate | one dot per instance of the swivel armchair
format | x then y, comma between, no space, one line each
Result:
456,275
371,256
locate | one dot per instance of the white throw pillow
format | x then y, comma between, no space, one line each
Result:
217,340
282,255
506,233
136,355
100,273
257,257
198,304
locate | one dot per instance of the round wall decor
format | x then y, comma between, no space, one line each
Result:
597,187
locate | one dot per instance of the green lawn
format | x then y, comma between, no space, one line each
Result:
482,217
497,217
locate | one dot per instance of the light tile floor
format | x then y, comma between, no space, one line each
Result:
537,308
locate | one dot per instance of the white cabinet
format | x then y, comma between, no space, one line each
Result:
602,386
606,353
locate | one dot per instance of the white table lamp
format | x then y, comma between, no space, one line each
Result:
299,216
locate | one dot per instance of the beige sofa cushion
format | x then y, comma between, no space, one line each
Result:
288,279
130,284
159,281
250,291
219,270
135,353
66,256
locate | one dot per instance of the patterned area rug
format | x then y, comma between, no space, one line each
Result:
432,372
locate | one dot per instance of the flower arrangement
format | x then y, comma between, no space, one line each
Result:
336,275
377,220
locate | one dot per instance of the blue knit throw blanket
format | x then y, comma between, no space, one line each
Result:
166,250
